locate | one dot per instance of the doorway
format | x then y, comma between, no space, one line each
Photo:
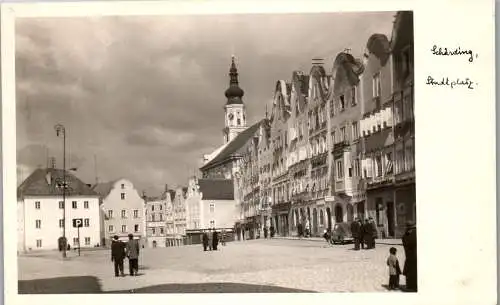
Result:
338,214
350,213
390,218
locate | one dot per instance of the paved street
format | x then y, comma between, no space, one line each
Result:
250,266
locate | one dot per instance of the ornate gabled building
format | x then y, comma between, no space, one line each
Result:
346,148
156,218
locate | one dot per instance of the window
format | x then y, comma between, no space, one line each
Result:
333,137
136,228
152,217
38,243
136,213
87,241
357,169
153,230
321,217
378,164
75,241
61,204
340,169
86,222
111,229
74,204
405,61
85,204
110,214
61,223
238,121
124,228
123,196
353,96
161,207
123,186
212,223
124,214
152,207
343,135
350,172
355,130
161,217
37,205
38,224
162,231
342,102
376,85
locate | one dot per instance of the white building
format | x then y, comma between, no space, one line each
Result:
122,210
40,211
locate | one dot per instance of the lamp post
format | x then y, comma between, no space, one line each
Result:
61,131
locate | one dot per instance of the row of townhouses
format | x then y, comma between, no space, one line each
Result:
105,209
338,144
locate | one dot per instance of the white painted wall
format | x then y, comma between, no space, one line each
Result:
49,214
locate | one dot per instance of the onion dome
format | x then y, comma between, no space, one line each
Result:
234,93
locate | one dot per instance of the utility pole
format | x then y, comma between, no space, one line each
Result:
60,130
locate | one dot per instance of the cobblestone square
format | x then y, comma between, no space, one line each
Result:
249,266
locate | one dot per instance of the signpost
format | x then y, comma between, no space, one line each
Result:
78,223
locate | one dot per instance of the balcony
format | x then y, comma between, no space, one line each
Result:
341,145
380,181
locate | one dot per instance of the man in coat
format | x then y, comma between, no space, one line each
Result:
368,233
410,246
205,240
215,240
133,255
355,231
210,240
117,255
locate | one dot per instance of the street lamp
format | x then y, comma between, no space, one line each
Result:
61,131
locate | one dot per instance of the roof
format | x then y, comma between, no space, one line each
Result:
104,188
352,66
44,182
232,147
379,45
216,189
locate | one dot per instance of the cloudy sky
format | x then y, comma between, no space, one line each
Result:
144,96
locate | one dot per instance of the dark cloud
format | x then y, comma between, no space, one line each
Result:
143,97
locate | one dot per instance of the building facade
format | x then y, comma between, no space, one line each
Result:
156,219
123,211
41,216
177,237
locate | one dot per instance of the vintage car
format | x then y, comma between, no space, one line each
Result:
341,234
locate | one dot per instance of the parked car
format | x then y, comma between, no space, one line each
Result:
341,234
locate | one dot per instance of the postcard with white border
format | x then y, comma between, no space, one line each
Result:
249,152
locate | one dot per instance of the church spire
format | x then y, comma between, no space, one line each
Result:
234,93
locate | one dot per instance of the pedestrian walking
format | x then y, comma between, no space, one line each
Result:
367,233
215,240
300,229
117,255
308,228
210,240
374,232
133,255
271,230
410,246
205,240
394,269
362,233
265,232
355,231
327,235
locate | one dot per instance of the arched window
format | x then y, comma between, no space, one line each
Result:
321,217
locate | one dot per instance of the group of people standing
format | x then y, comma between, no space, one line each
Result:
120,250
364,233
210,239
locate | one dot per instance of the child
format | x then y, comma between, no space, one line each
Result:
394,270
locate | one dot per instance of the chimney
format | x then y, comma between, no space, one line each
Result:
166,187
317,61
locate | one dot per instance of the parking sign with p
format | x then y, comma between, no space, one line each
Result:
77,222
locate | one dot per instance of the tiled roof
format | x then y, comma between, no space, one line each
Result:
43,182
103,188
232,148
216,189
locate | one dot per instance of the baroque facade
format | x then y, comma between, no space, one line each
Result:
340,144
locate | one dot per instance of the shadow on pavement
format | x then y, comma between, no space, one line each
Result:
77,284
212,288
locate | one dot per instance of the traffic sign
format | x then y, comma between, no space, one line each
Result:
77,222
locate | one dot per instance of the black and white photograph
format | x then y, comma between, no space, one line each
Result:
228,153
211,149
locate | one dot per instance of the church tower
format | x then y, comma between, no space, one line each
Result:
234,110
